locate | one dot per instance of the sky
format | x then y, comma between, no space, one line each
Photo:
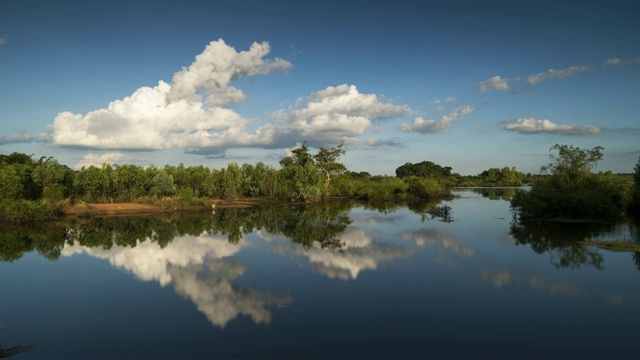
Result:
468,84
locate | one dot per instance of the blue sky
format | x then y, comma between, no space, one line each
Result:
467,84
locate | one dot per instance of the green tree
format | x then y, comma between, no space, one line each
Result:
572,164
10,183
326,161
636,189
50,175
129,181
163,184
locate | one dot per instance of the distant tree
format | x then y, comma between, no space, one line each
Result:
423,169
572,164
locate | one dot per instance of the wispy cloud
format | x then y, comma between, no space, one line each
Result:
2,41
425,126
23,137
618,61
555,74
498,83
544,126
372,144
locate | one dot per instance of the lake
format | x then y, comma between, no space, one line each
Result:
344,280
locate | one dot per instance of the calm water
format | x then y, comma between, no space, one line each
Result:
342,281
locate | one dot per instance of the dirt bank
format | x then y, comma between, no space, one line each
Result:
130,209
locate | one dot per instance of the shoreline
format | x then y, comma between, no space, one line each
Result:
134,209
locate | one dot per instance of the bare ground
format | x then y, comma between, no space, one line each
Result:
129,209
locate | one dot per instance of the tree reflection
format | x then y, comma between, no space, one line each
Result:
497,193
561,241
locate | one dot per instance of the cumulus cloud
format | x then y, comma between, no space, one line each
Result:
335,114
494,83
544,126
188,113
113,157
216,67
23,137
425,126
554,74
450,99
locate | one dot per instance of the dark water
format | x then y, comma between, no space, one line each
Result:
339,281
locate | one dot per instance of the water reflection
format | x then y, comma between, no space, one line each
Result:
437,236
497,193
562,241
358,252
198,268
512,277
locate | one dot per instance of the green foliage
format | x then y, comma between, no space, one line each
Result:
11,186
572,164
572,191
326,161
162,184
51,176
423,169
501,177
636,191
425,188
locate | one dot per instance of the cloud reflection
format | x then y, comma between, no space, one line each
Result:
181,264
510,277
434,236
359,253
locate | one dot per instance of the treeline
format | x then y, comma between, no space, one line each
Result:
569,189
492,177
33,189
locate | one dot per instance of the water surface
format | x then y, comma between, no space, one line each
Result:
343,280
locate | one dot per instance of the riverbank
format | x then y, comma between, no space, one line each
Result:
133,209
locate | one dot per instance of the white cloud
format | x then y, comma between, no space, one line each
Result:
555,74
337,113
494,83
2,41
538,126
450,99
424,126
613,62
113,157
499,83
618,61
187,113
216,67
